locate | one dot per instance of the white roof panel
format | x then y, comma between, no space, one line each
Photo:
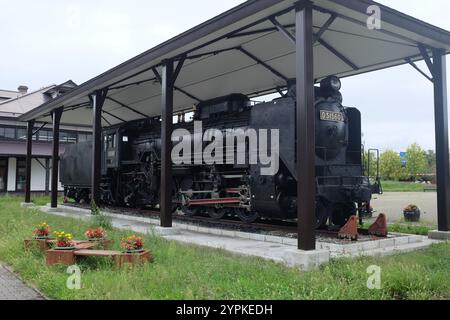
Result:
232,71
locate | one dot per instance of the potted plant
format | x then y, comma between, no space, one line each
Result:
412,213
42,231
64,241
97,234
133,244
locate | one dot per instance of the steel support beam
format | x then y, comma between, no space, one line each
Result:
123,105
418,69
439,68
262,63
167,82
47,176
56,115
306,181
29,159
282,29
187,94
97,102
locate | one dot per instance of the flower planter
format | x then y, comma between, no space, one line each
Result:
97,239
133,258
412,216
64,257
64,248
135,251
41,244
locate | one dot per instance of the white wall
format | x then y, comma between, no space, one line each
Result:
12,162
60,188
37,175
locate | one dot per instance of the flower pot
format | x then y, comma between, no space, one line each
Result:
42,238
412,216
64,248
135,251
96,239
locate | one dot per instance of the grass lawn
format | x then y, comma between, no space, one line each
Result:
189,272
397,186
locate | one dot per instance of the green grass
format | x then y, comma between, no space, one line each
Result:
408,228
397,186
189,272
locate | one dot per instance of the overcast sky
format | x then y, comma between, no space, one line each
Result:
47,41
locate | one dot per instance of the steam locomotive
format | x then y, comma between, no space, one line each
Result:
131,162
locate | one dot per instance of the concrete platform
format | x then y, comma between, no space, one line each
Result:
439,235
27,205
279,249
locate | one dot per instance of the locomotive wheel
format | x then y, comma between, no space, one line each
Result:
246,216
322,214
217,213
342,212
190,211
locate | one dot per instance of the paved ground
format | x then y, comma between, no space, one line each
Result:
393,203
12,288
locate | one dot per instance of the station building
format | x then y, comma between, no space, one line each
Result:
13,134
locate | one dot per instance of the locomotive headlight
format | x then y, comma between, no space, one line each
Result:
331,83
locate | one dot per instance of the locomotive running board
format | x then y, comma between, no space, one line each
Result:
207,202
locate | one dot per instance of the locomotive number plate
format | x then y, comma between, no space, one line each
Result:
332,116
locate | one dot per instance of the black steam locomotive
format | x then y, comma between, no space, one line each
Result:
131,164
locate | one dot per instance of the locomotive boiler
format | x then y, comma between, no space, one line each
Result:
131,161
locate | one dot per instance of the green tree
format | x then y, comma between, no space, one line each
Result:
431,161
370,164
391,165
417,162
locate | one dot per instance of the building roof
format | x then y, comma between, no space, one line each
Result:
20,104
8,94
242,51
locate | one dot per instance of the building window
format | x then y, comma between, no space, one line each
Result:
21,174
45,135
3,174
7,133
84,137
21,134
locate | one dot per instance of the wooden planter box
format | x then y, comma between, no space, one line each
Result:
41,244
104,244
133,258
64,257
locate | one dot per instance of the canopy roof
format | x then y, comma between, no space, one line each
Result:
242,51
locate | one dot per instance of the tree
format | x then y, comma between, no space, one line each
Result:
370,160
431,160
417,162
391,165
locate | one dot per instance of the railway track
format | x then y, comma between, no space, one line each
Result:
281,228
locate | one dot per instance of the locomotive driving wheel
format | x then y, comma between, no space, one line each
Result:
322,214
217,213
190,211
341,213
246,215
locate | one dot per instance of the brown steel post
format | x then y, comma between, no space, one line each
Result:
57,114
306,182
97,101
442,140
166,140
29,160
